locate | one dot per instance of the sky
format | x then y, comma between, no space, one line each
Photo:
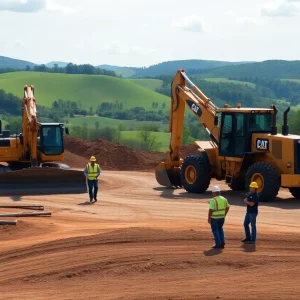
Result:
146,32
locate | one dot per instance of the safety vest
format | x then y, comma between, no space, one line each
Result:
92,171
218,205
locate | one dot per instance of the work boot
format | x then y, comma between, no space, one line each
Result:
250,242
95,199
216,247
245,240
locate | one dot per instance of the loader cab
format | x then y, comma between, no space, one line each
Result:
50,139
237,129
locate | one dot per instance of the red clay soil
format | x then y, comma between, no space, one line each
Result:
114,156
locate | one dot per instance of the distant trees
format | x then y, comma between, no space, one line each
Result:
73,69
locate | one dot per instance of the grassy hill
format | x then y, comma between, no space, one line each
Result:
6,62
170,67
125,72
89,90
151,84
90,122
266,69
226,80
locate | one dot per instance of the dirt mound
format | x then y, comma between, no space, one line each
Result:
114,156
111,156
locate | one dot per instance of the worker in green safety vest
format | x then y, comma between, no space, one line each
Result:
218,209
92,172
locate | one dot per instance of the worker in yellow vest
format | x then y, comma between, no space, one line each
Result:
218,209
92,172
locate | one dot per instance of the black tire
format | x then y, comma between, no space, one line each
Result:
202,179
237,185
295,191
270,177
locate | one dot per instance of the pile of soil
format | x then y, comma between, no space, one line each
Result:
114,156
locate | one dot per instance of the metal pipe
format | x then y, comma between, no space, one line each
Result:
33,214
32,207
285,126
9,222
274,127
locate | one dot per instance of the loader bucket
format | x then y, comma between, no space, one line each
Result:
42,181
167,178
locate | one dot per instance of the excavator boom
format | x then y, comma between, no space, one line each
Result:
167,172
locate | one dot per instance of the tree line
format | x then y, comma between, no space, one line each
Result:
68,69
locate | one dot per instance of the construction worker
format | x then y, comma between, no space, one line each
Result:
92,171
251,214
218,209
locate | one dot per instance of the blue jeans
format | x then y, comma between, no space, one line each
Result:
250,218
93,184
217,230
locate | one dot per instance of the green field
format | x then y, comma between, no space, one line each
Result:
226,80
151,84
163,138
88,90
291,80
107,122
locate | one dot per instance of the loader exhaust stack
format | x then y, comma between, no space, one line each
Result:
285,126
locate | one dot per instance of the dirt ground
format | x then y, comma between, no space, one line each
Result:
142,241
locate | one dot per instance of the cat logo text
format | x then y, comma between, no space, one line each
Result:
262,144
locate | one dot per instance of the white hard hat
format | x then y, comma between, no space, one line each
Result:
216,189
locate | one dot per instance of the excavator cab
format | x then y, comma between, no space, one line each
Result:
50,139
237,129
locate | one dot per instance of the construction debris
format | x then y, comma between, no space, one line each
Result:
32,214
31,207
8,222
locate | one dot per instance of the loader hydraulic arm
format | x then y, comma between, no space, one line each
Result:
200,105
30,124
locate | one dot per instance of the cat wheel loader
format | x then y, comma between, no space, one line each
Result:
31,161
243,146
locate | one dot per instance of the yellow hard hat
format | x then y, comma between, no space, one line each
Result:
93,158
254,185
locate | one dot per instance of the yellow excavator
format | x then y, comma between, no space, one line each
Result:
243,146
32,160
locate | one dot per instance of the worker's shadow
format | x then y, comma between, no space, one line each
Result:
86,203
249,247
16,198
212,252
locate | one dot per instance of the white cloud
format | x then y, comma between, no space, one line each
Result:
23,6
282,10
33,6
190,23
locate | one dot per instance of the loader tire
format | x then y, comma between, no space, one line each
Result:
195,173
237,185
267,179
295,191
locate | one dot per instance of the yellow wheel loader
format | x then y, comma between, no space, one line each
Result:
31,160
243,146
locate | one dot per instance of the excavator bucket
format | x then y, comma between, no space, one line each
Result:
42,181
167,178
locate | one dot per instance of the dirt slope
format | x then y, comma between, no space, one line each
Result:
114,156
142,241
